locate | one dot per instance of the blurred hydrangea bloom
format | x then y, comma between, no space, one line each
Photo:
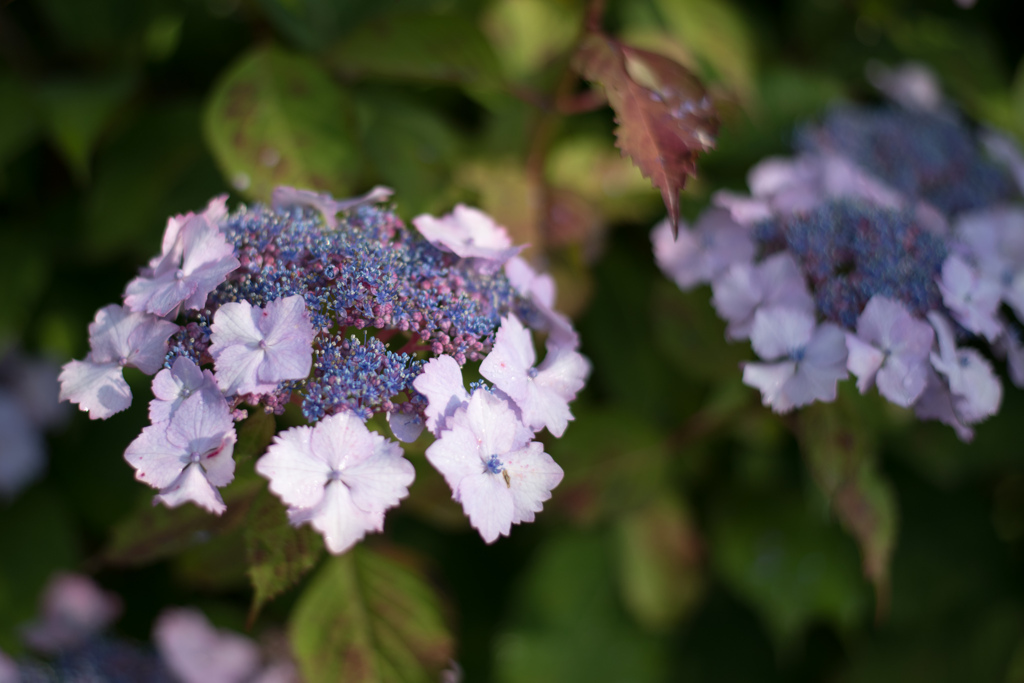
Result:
895,229
336,307
29,405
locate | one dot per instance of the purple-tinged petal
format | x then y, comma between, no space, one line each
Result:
288,333
196,652
510,358
341,522
441,384
22,450
488,503
744,210
255,348
902,380
972,297
740,290
406,427
156,461
770,379
469,233
779,331
937,403
821,367
174,385
1010,345
532,474
529,283
297,475
1002,148
191,486
73,610
911,85
863,360
328,206
206,260
976,390
698,256
120,336
99,389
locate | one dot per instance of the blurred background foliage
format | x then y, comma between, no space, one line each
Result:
696,536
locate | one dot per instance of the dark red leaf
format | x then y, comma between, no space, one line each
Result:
665,117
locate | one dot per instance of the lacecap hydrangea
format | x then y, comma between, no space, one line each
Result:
336,307
891,247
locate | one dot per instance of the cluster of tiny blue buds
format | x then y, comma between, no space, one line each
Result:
370,274
852,250
924,155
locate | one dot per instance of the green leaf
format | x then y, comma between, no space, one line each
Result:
154,532
659,563
715,31
18,122
612,462
570,628
76,114
366,618
692,335
313,24
276,118
411,147
38,536
254,435
279,555
528,34
790,564
158,167
419,47
839,449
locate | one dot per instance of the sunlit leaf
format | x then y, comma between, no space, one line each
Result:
276,118
527,34
366,618
279,555
440,48
664,117
659,554
716,32
76,112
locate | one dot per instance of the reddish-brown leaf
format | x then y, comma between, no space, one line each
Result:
665,118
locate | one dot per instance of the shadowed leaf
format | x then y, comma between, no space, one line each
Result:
419,47
665,119
278,119
840,453
367,619
279,554
155,532
659,563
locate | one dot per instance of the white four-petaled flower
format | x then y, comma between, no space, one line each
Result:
339,476
254,349
494,469
189,456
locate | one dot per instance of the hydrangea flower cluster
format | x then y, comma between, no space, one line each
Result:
336,307
890,247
